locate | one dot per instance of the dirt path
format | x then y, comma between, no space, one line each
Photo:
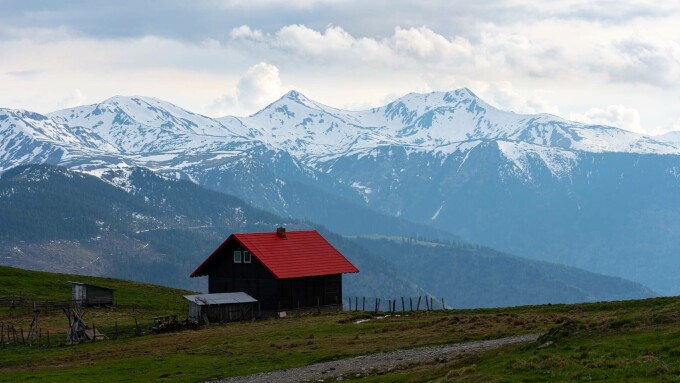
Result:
384,361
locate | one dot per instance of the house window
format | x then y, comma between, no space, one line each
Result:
246,257
237,256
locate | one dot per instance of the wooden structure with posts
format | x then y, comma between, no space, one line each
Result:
90,295
410,304
78,331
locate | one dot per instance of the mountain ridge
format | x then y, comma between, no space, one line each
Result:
136,128
534,185
52,218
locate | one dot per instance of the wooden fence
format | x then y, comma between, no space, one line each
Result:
395,305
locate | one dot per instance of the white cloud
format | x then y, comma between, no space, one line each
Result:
424,43
246,33
354,53
257,88
503,95
635,60
291,4
74,98
613,115
336,45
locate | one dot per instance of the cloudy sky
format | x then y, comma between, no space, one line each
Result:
612,62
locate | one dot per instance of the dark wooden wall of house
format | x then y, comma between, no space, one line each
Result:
273,294
310,291
252,278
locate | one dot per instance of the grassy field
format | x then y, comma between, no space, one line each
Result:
615,341
633,341
133,301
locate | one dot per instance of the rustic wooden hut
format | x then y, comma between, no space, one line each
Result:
90,295
282,270
221,307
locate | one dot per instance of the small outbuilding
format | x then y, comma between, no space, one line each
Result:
222,307
91,295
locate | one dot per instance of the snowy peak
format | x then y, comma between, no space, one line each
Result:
140,111
296,96
438,121
27,137
143,125
673,136
21,124
147,131
294,104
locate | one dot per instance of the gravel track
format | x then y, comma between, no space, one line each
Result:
380,362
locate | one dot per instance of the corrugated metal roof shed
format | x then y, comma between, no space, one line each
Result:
297,254
220,298
87,284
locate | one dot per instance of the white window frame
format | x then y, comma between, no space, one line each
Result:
238,258
249,258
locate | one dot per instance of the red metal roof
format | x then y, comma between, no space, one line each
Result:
300,254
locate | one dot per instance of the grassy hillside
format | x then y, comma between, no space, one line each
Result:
623,341
135,303
635,341
42,286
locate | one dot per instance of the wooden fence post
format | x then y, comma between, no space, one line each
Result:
137,332
418,305
363,304
403,306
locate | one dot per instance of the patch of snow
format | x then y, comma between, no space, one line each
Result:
436,213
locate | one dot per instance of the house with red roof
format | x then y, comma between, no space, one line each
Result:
282,270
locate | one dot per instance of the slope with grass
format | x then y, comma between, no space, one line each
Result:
622,341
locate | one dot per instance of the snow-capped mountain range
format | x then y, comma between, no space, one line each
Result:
590,196
157,134
442,122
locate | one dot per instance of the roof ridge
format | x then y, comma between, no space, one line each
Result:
305,253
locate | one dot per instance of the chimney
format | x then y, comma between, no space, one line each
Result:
281,232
